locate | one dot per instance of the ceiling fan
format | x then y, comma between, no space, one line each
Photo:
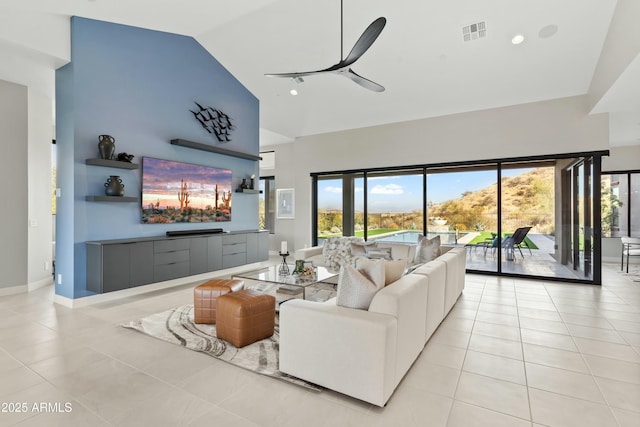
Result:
343,67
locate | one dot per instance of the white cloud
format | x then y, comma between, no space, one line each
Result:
337,190
389,189
373,178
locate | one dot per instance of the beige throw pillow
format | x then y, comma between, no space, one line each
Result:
393,269
357,287
427,250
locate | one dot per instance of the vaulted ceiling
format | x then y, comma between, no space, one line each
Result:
421,58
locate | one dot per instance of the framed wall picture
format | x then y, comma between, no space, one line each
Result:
285,203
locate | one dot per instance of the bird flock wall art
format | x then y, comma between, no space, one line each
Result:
215,122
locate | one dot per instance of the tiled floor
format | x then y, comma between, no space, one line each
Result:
535,263
510,353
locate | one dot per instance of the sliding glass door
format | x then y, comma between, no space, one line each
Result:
534,217
577,233
462,208
329,208
394,206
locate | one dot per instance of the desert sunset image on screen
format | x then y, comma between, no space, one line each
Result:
183,192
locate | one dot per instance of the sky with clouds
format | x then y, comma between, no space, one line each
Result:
403,193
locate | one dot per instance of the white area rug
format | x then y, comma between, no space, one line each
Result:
176,326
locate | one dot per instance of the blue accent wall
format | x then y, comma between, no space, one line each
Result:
138,86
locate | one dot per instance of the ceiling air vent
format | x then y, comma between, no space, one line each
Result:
474,31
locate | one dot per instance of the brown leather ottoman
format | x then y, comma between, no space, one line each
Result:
206,295
245,317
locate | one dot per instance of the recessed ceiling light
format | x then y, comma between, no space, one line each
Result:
517,39
293,92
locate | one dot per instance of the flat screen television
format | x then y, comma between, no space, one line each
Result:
176,192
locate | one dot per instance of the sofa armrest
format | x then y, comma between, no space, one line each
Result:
307,253
347,350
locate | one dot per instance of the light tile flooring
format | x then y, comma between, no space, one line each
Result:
535,263
510,353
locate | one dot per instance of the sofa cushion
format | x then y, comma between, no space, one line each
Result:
357,287
427,250
336,252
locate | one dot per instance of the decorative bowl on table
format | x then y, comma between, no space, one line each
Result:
308,273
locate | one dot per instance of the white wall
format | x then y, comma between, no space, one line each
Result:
621,47
548,127
25,173
622,158
13,179
40,229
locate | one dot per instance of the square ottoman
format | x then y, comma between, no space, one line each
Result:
245,317
205,297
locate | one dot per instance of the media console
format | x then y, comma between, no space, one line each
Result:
114,265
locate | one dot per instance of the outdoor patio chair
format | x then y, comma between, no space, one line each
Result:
630,247
516,240
489,242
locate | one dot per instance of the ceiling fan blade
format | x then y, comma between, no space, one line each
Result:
294,75
365,83
365,41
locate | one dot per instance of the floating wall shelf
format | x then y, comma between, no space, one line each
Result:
213,149
111,199
112,163
248,190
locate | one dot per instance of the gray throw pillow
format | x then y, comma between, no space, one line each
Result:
377,253
336,252
427,249
357,287
358,248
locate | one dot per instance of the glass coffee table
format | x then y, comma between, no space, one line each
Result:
290,284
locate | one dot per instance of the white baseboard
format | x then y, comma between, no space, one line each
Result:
116,295
63,301
40,284
13,290
29,287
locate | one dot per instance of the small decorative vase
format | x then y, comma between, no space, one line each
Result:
114,186
106,146
299,266
252,184
244,184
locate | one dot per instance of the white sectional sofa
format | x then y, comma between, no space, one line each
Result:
366,353
399,250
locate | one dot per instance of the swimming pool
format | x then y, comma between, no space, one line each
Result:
446,237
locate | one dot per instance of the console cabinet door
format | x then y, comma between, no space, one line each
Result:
252,248
141,263
116,267
214,253
198,255
263,246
